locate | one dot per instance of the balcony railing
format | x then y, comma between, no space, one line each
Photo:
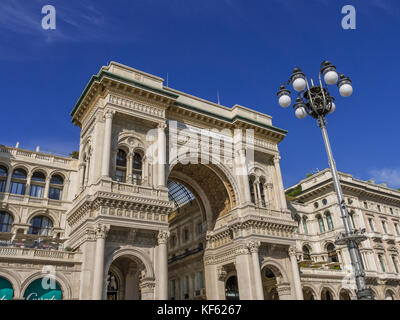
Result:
39,254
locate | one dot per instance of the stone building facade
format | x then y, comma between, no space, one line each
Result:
325,267
174,197
158,204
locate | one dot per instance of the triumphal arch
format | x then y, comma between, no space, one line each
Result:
177,197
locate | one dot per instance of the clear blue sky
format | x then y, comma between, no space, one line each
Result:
244,49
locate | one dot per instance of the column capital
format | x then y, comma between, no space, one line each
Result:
292,251
277,158
101,231
162,125
162,237
253,246
109,114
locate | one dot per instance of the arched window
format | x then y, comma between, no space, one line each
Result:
3,178
252,193
18,182
332,254
120,173
305,225
329,220
306,253
40,225
38,182
6,221
232,288
56,187
321,224
137,169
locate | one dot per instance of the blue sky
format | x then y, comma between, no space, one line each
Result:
243,49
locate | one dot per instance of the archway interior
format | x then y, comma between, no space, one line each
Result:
201,194
308,294
123,279
344,295
326,294
6,289
269,279
232,288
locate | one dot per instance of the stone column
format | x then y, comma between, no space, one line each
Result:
296,274
280,182
7,189
28,184
47,187
163,265
105,166
98,277
129,161
242,264
258,191
162,147
253,248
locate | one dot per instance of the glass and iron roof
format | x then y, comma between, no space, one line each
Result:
179,193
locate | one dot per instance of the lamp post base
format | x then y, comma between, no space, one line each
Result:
365,294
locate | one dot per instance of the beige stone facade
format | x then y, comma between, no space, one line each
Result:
170,197
324,266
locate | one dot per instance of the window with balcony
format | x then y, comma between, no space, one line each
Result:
3,178
6,221
306,253
56,187
332,254
18,182
40,225
38,182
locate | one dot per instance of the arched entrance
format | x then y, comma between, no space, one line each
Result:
308,294
269,279
124,278
202,194
232,288
326,294
344,295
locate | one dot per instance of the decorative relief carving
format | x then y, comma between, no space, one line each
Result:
254,246
102,230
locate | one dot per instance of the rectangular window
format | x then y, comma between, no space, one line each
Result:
186,287
371,224
55,194
391,210
201,280
380,258
384,227
379,208
396,227
36,191
365,205
396,267
17,188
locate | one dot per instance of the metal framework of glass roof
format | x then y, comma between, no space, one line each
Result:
179,193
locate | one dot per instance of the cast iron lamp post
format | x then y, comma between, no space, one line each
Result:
317,102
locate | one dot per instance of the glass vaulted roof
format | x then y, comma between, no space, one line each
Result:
179,193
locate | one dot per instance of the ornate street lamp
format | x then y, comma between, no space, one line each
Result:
317,102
